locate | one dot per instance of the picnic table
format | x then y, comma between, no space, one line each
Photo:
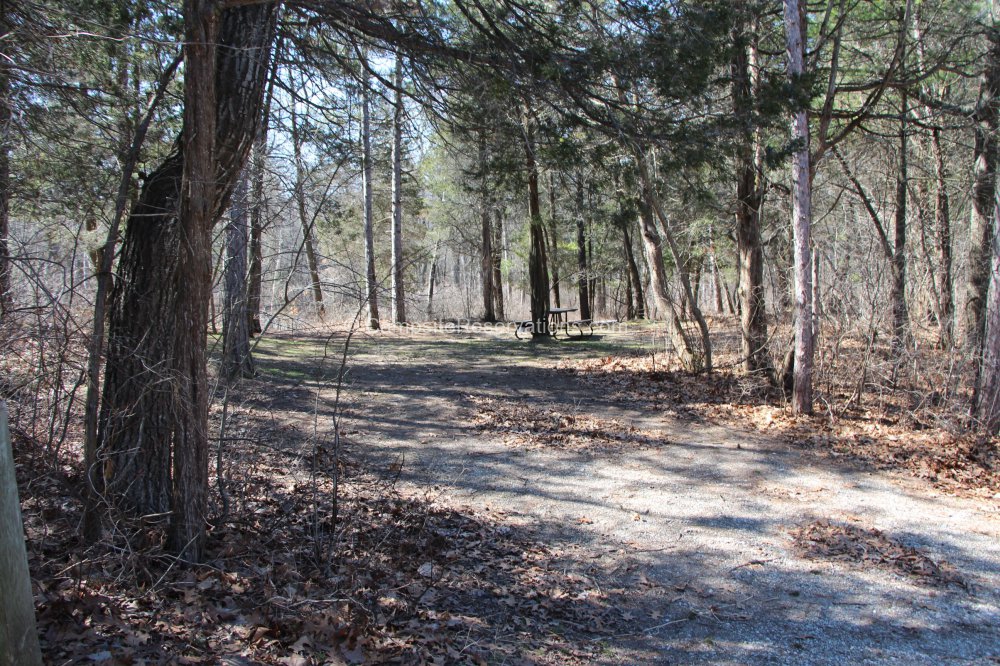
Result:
558,320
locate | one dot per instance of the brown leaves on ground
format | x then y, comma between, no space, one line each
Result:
297,575
887,435
526,426
864,547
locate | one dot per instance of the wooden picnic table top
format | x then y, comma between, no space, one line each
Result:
561,310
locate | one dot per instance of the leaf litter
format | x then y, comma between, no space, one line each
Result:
527,426
862,547
298,576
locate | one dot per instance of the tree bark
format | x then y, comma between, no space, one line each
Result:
371,283
900,316
634,274
583,272
749,246
554,242
802,392
431,279
498,300
983,190
942,226
487,253
986,400
398,265
105,259
258,206
236,358
18,632
155,394
538,274
192,283
486,264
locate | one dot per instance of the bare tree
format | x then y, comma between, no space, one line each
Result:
371,282
236,358
398,263
308,240
802,392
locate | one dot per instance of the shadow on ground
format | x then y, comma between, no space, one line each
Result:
687,532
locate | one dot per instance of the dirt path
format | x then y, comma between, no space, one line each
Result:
694,521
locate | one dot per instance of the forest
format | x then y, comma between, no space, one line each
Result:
407,332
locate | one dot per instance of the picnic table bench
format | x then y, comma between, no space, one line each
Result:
558,321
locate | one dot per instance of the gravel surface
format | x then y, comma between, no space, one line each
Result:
697,523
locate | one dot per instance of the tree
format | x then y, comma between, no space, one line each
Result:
583,272
236,358
749,198
258,204
538,272
986,401
154,416
398,264
371,282
487,253
802,397
305,220
987,122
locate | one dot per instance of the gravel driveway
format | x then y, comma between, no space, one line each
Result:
697,521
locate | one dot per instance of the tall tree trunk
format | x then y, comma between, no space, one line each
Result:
497,266
486,264
749,246
431,279
398,264
900,316
538,274
629,302
305,221
154,411
942,215
554,241
193,282
258,204
487,253
634,275
371,283
583,273
802,392
986,399
105,258
942,226
984,187
236,358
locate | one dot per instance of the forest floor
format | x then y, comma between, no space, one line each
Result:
469,498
